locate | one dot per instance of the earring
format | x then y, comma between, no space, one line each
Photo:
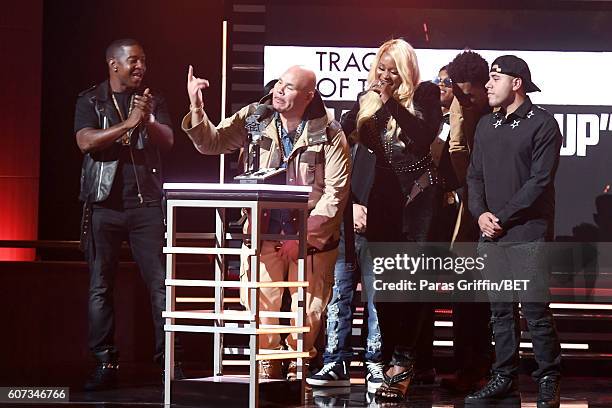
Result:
116,69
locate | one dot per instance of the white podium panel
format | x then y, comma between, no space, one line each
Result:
218,321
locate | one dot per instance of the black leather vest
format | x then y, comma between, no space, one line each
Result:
99,168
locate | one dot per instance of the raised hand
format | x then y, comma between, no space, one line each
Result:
195,86
464,99
383,88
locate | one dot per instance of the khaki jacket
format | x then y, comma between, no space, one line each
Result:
320,158
463,121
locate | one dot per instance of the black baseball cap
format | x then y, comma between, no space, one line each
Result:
516,67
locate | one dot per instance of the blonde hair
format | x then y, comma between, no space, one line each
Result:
408,69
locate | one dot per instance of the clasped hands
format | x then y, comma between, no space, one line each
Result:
142,111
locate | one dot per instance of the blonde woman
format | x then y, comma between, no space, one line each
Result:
397,118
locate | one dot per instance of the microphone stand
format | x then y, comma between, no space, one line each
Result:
253,172
254,152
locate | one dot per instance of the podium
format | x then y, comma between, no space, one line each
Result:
256,198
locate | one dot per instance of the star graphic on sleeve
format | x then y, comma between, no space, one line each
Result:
515,123
530,114
497,124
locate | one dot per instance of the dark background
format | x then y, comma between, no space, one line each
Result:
75,37
526,25
175,34
534,25
44,304
51,51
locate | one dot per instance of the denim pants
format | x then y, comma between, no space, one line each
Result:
340,311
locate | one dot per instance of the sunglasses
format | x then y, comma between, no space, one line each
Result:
446,82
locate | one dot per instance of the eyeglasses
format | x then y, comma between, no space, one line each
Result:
446,82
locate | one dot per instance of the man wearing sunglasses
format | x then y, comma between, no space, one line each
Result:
446,98
425,373
445,84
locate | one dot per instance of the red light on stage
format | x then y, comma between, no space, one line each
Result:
18,216
20,126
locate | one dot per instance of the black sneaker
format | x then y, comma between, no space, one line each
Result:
333,374
498,387
104,377
374,376
549,395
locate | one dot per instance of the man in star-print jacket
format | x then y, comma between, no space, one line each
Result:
512,195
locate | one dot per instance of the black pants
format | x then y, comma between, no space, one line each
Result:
443,225
472,335
401,322
424,346
521,261
144,229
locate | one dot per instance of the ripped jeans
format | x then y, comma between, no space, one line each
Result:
339,311
521,261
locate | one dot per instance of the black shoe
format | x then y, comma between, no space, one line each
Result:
549,393
178,372
498,387
104,377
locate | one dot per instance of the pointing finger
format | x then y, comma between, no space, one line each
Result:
202,83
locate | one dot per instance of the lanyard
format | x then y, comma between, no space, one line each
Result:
125,139
298,133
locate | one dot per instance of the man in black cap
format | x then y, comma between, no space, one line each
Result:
511,184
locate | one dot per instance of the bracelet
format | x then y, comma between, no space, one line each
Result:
196,108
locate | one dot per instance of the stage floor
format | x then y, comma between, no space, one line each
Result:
576,392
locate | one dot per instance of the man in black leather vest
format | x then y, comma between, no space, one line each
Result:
121,128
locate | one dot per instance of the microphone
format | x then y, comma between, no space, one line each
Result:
254,128
254,121
262,112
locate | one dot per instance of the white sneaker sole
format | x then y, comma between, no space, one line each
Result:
372,387
328,383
